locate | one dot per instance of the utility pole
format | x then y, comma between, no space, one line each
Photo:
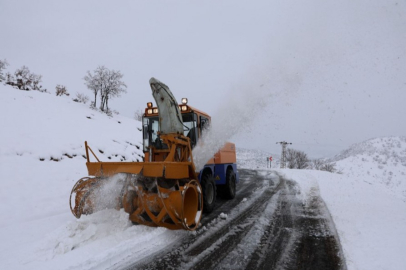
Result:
283,156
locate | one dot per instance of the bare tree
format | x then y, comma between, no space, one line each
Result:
329,167
9,78
113,88
296,159
3,65
138,115
302,161
36,79
106,82
290,158
94,82
23,79
317,164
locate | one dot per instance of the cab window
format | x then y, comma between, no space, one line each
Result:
189,127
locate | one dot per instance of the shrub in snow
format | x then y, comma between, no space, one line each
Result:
323,165
3,64
108,112
81,98
92,105
24,79
138,115
296,159
329,167
317,164
61,90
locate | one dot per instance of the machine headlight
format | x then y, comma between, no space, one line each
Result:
184,108
155,110
149,111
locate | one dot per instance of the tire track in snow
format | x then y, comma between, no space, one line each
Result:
273,229
300,236
208,253
257,188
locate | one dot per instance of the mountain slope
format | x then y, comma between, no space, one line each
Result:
383,159
41,158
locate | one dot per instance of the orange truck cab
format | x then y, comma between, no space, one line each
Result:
219,176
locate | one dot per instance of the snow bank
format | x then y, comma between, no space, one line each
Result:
371,224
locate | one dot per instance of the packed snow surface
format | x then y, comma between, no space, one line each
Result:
41,157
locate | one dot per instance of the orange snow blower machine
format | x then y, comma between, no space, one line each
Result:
165,190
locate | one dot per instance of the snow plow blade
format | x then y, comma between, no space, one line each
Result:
164,194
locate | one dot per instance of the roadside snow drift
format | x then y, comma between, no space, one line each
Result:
370,222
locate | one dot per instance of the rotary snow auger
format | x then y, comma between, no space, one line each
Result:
165,190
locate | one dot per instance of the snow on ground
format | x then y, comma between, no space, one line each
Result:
371,224
383,160
38,231
367,201
43,126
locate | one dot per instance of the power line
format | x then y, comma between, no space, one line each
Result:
283,156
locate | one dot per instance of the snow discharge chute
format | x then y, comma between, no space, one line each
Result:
162,191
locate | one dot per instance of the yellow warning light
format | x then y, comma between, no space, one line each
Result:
149,104
184,101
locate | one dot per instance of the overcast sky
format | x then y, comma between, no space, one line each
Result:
320,74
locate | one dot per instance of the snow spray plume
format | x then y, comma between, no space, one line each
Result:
275,75
235,115
107,196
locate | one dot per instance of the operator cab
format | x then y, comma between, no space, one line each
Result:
194,124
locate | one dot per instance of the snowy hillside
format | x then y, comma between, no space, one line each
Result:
382,159
45,127
41,157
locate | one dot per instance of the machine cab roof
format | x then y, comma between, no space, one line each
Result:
194,124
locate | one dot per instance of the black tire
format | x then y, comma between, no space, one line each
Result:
229,189
209,192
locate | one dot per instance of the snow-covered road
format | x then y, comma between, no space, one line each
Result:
267,226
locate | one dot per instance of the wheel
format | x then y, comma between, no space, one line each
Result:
209,192
229,188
